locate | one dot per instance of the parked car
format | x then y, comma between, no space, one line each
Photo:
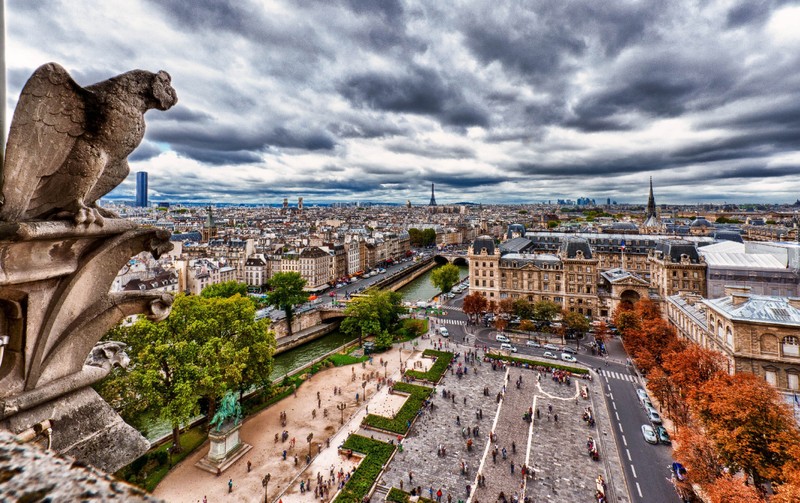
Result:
508,347
654,417
648,405
568,358
570,350
551,347
533,344
663,436
502,338
443,331
642,394
649,434
548,354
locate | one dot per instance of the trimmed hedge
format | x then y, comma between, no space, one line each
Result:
439,367
574,370
399,423
362,480
399,496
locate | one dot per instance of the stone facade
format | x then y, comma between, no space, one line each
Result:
756,333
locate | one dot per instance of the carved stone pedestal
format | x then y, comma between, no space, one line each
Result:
226,448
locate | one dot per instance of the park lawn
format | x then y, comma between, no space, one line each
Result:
340,360
399,423
399,496
156,463
362,480
439,367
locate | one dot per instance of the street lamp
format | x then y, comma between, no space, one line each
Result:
364,386
385,364
341,408
264,483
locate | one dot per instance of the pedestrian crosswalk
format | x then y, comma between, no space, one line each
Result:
447,321
618,375
452,308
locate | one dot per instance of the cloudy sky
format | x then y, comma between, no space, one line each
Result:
517,101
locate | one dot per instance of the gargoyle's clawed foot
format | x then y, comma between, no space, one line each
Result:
83,215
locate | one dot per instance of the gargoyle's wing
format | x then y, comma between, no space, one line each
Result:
50,116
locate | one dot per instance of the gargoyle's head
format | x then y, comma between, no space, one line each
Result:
163,92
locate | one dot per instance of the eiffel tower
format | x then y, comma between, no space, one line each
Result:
433,198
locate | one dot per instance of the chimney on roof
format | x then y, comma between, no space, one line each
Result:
736,289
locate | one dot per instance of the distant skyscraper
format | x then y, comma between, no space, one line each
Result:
141,189
433,198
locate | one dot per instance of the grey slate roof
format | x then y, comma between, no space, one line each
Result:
758,308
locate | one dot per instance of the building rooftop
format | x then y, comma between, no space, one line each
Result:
757,308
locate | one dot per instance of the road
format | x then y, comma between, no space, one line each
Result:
645,465
357,286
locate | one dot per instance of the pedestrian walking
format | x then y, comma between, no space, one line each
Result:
249,465
410,476
230,485
512,468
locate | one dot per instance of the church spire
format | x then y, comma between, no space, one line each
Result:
651,203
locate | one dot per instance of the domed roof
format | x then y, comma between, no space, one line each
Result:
701,222
483,243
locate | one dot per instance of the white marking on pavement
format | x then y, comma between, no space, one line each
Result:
629,454
614,404
624,441
633,469
639,490
617,414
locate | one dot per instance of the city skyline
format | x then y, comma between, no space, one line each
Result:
374,102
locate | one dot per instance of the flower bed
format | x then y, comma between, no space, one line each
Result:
439,367
377,453
536,363
400,422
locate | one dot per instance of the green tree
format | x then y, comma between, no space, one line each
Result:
445,277
286,291
545,311
376,312
523,309
226,289
204,348
576,325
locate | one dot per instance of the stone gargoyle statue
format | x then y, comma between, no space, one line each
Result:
68,145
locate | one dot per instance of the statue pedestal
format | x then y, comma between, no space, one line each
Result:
226,448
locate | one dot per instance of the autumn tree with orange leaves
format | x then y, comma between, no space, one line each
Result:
698,454
727,489
752,429
474,305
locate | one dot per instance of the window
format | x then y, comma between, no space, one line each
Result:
793,381
771,376
729,337
791,347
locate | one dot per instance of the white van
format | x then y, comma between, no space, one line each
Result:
502,338
508,347
443,331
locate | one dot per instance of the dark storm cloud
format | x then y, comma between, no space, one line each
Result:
420,91
146,150
218,145
430,150
657,85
